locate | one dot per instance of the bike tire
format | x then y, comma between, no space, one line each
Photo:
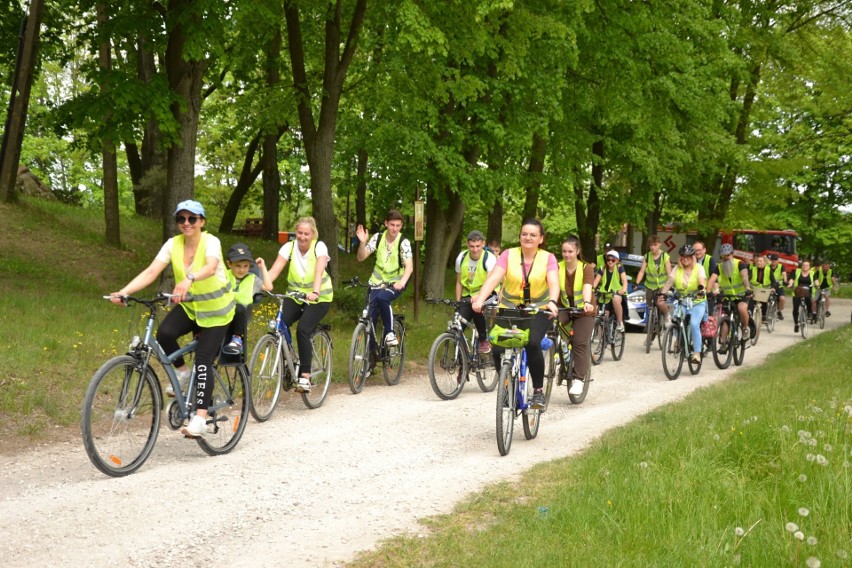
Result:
821,314
755,324
803,321
531,419
359,358
265,368
119,439
552,367
597,343
448,367
769,320
650,329
229,410
723,360
486,375
394,359
506,403
739,347
672,353
321,369
617,346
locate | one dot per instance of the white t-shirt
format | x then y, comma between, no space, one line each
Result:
213,249
300,261
490,261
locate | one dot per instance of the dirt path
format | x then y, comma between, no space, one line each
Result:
311,488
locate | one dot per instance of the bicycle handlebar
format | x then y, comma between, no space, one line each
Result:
355,281
292,294
161,298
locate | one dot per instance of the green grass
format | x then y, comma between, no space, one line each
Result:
711,481
845,291
55,330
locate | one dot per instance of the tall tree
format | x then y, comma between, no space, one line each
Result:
108,157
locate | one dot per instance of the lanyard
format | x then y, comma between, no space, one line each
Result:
526,274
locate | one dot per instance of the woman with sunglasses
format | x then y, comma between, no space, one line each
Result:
196,259
613,280
530,276
688,278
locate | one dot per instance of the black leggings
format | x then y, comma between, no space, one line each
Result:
539,325
308,316
466,311
177,324
797,303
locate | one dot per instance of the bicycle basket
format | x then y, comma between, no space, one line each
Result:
508,328
762,294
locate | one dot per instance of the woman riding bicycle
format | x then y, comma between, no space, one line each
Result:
530,277
613,280
203,291
802,281
688,278
308,258
576,281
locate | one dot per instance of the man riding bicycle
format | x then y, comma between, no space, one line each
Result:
655,270
733,279
825,280
780,277
472,268
760,275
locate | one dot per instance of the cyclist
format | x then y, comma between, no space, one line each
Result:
530,277
393,265
780,277
206,303
687,278
826,281
612,278
600,261
576,282
472,268
732,278
709,264
760,275
308,258
655,269
245,285
803,280
494,247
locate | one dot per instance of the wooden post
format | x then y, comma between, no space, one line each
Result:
419,223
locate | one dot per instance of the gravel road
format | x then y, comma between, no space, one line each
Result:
313,487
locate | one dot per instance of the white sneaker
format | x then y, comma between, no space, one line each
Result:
197,427
620,326
668,323
576,387
303,384
391,340
183,379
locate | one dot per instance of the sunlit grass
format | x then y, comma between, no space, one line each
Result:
716,480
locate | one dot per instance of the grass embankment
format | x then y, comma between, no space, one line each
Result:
756,471
55,330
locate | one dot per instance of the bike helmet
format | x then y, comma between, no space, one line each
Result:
687,250
726,248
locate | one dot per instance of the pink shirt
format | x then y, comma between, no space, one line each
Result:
503,262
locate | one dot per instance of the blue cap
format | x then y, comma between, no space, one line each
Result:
191,206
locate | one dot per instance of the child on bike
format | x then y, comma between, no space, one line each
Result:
245,284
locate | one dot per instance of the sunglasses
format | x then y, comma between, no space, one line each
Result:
610,260
180,219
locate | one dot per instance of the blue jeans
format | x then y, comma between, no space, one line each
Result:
696,316
382,300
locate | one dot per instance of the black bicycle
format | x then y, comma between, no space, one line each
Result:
677,342
455,354
606,332
729,340
559,359
368,348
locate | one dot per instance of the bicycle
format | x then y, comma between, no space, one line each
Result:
561,361
514,387
760,301
366,350
274,364
677,343
606,333
804,319
771,310
653,325
123,402
820,311
454,355
729,341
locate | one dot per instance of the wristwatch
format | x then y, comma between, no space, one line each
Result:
190,277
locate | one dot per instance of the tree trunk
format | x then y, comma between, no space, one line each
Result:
110,164
361,189
587,210
445,224
271,175
534,172
495,220
185,79
13,134
318,136
247,176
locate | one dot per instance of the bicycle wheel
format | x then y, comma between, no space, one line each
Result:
359,353
265,368
321,365
821,313
722,351
769,320
598,342
650,328
394,358
552,367
803,321
228,410
738,344
617,346
506,404
754,325
118,433
482,365
447,366
531,416
672,353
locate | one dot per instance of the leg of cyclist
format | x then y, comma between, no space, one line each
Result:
312,314
466,311
583,327
797,305
539,325
383,299
664,311
697,314
781,298
742,307
618,310
176,324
